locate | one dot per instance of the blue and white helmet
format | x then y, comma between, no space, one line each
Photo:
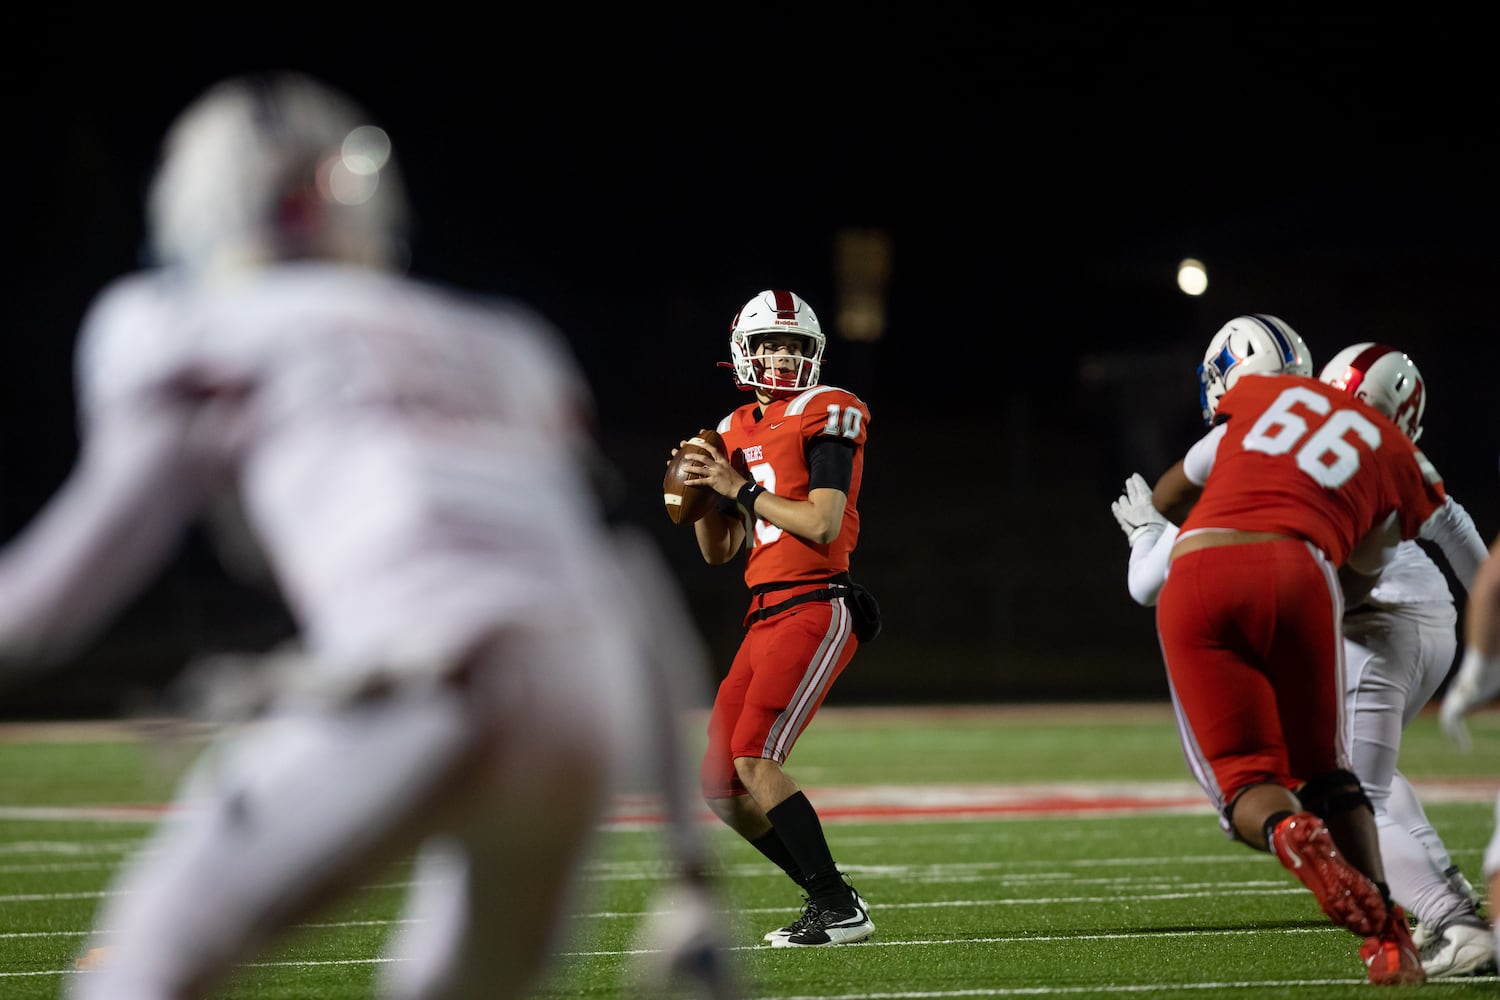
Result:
1257,343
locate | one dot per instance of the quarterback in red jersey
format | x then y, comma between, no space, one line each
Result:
1296,485
791,504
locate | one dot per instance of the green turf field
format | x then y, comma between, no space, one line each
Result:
1103,874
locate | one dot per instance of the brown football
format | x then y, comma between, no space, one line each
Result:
686,504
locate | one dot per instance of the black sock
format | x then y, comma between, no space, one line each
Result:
771,845
797,824
1269,827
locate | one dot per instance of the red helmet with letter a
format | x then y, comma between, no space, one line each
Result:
1383,377
783,313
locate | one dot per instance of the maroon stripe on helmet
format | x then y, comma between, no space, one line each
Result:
786,307
1355,373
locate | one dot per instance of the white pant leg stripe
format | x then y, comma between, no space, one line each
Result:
815,681
1336,593
1196,761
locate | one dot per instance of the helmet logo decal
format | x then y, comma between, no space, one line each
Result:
1255,343
1226,360
1407,413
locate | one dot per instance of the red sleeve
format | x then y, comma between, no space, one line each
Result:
835,413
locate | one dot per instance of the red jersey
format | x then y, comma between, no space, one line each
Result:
1307,460
775,450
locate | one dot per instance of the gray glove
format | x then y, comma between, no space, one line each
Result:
1135,512
1477,683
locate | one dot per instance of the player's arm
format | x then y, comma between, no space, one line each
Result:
1169,500
1452,529
1150,536
1482,615
112,523
1477,682
720,533
1149,517
1179,487
1174,494
818,519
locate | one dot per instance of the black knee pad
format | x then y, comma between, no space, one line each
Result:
1334,794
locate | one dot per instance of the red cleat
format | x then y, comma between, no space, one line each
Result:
1390,956
1305,848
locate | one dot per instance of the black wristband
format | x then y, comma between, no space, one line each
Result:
747,496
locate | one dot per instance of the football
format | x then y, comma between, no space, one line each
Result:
686,504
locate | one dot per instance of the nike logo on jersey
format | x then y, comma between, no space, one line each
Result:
777,424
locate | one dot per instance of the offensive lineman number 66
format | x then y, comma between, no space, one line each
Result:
1326,456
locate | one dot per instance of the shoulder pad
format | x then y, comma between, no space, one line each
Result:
842,397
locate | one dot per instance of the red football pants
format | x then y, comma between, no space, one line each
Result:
1254,652
783,670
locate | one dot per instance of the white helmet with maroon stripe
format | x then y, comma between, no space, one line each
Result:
1383,377
273,167
1257,343
776,312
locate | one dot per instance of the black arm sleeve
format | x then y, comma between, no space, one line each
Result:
830,464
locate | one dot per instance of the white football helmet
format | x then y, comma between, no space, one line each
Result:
275,167
1254,343
776,311
1383,377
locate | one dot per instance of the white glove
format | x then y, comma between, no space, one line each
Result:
1135,512
1477,683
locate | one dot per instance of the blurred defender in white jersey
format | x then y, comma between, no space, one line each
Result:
414,467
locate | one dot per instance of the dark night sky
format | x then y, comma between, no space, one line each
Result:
1039,177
